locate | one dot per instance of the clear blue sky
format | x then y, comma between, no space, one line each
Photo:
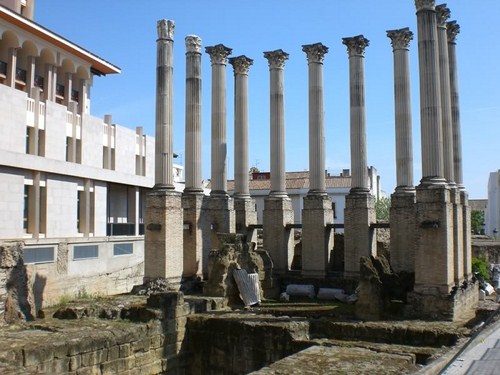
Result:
124,33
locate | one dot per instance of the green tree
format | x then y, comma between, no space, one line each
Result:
477,221
382,208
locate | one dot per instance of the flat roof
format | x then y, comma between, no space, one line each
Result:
99,65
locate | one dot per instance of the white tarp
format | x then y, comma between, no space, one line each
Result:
248,285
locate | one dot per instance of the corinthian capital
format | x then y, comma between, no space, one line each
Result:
425,5
400,39
165,29
218,54
193,44
241,64
356,45
315,52
442,14
276,58
452,29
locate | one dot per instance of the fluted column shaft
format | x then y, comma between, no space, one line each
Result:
442,15
218,57
241,65
164,106
277,123
359,166
400,40
430,93
315,55
193,115
453,29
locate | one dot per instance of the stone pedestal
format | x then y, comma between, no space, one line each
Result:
458,238
402,222
163,240
221,210
317,239
196,235
359,239
278,239
245,214
434,265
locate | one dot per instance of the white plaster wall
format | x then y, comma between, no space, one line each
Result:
492,219
62,206
55,131
100,208
125,141
11,204
12,119
150,157
92,135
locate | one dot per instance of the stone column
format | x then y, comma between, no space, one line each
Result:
317,239
11,68
220,205
278,212
163,256
196,223
360,204
430,94
402,212
244,205
442,15
452,30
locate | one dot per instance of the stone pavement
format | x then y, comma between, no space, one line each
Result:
481,357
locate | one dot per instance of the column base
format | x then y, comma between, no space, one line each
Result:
221,211
402,223
317,239
278,239
163,238
359,239
245,215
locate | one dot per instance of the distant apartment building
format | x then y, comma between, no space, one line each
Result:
72,186
297,186
492,214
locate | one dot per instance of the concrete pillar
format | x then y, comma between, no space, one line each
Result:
34,206
452,30
317,239
244,205
194,203
84,97
12,67
30,73
108,162
193,115
34,138
359,239
402,212
278,212
68,87
359,168
220,204
218,58
442,15
72,147
137,209
163,241
430,94
164,106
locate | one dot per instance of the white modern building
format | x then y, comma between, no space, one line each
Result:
492,215
72,186
297,186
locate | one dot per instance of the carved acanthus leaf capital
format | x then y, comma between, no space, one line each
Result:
356,45
193,44
218,54
400,39
241,64
452,29
276,58
442,15
315,52
425,5
165,29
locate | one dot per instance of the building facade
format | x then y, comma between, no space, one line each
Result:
72,185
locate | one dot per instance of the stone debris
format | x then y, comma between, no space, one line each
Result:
158,285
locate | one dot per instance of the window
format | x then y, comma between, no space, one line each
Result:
38,255
123,249
85,252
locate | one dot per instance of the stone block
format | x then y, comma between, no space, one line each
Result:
142,358
125,350
117,366
403,234
34,355
113,353
94,357
75,362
